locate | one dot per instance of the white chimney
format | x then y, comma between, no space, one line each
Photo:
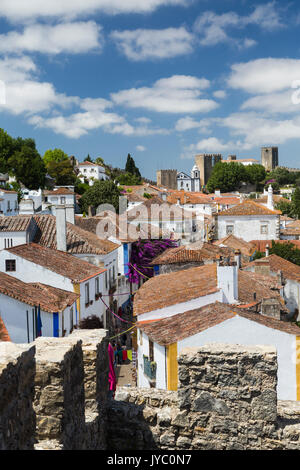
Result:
228,282
238,258
267,251
270,198
61,228
70,213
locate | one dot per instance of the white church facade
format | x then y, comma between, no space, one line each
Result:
189,183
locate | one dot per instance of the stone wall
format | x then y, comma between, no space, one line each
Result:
53,395
226,400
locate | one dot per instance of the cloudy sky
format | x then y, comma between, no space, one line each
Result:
160,79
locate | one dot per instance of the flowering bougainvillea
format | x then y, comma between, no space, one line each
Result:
142,253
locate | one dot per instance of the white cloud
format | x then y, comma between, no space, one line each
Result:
189,123
176,94
212,144
143,44
71,38
272,103
221,94
27,10
213,28
78,124
267,75
24,93
140,148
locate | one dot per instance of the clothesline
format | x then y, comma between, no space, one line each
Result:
121,319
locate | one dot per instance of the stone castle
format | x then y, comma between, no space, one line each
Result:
53,396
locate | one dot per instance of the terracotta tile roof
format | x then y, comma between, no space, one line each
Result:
177,287
69,266
49,298
183,325
227,201
58,191
4,335
276,263
246,248
168,211
189,198
264,287
184,254
290,231
249,208
15,223
7,191
276,199
87,164
262,244
170,289
79,241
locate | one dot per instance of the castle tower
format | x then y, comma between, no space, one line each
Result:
205,163
269,158
167,178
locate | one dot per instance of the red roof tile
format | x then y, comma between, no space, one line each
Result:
60,262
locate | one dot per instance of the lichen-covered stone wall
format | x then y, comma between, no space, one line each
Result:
53,395
226,400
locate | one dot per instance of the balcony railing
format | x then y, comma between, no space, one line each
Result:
149,369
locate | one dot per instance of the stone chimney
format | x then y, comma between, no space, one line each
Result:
270,198
271,308
227,276
70,213
262,266
217,193
61,228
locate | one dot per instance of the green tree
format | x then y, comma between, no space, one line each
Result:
255,174
131,167
88,159
27,165
62,172
6,150
227,177
56,155
102,192
128,179
296,203
287,251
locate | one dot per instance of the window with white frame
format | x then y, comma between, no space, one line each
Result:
264,229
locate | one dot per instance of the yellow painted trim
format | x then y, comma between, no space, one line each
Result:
298,366
172,367
76,287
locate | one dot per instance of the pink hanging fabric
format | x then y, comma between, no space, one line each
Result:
111,374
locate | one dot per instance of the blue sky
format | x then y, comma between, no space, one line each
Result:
160,79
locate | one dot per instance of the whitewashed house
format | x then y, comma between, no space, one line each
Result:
162,341
34,309
35,263
16,230
58,196
8,202
91,172
249,221
165,296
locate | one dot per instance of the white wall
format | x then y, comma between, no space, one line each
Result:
27,271
12,200
249,228
182,307
239,330
159,357
13,238
13,313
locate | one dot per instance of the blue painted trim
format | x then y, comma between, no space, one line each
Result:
55,325
126,258
156,270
